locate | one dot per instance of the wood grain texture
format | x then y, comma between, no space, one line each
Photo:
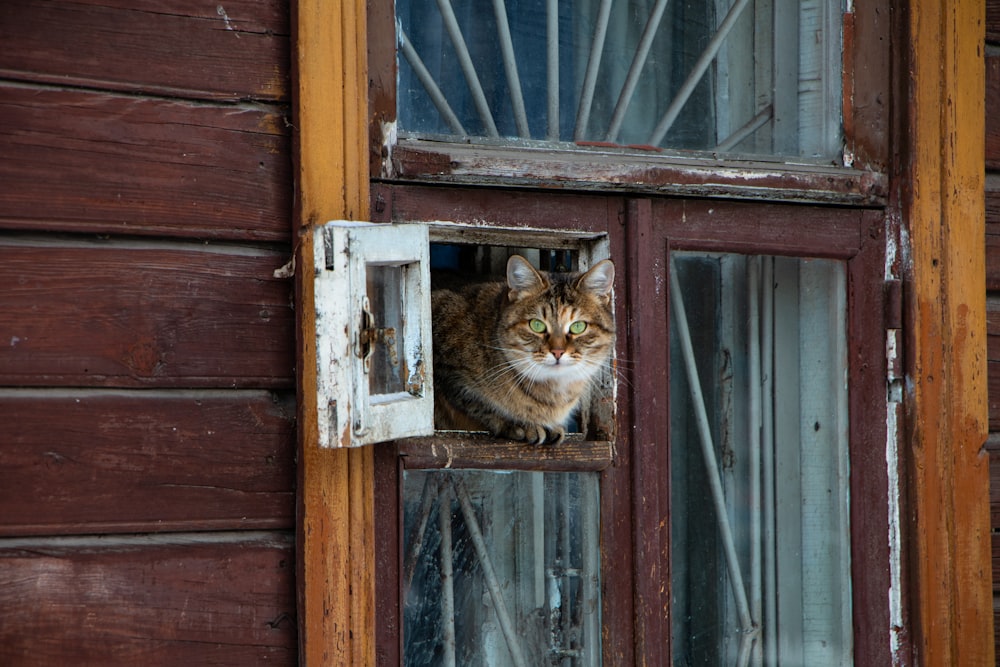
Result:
648,173
475,450
993,447
947,406
99,163
336,527
231,50
772,228
90,462
117,314
993,21
993,355
867,77
992,104
224,599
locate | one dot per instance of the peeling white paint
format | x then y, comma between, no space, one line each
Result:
348,414
389,138
894,390
225,18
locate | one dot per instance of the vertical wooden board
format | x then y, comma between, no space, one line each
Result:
868,64
93,162
336,552
225,599
232,50
118,314
648,278
220,460
871,515
947,406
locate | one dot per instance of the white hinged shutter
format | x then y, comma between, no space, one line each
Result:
373,332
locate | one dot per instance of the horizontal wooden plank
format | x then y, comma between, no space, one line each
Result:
612,169
480,450
98,163
232,50
993,357
96,461
993,327
219,599
811,231
993,26
510,209
993,448
120,314
992,231
992,118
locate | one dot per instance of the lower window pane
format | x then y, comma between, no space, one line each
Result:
501,568
760,537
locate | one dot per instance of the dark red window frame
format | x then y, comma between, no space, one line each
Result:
634,488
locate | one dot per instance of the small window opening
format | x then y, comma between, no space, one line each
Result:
457,265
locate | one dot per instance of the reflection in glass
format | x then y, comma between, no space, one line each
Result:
501,568
745,76
760,535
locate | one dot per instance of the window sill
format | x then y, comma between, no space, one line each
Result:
463,450
633,170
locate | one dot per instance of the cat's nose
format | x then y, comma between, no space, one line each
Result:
558,354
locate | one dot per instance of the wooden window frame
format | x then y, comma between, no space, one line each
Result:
645,230
909,115
863,182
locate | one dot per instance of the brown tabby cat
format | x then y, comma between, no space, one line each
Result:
515,358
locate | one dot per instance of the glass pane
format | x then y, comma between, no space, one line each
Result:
747,76
760,535
385,296
501,568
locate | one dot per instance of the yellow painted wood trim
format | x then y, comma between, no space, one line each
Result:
947,406
335,550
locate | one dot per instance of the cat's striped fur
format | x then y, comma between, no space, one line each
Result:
515,358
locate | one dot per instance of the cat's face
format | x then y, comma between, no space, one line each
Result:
557,327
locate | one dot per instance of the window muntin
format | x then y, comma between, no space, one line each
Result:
760,527
728,76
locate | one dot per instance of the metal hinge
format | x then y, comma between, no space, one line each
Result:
893,319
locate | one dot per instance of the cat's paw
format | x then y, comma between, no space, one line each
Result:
536,434
555,435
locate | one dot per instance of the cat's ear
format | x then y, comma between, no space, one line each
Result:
599,279
522,278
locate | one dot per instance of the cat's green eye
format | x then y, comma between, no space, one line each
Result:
537,326
578,327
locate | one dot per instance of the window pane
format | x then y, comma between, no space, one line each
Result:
501,568
747,76
385,296
760,535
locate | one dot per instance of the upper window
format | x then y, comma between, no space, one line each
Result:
760,77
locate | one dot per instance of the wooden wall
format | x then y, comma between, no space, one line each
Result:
147,501
993,283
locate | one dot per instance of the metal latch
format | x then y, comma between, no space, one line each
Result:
370,335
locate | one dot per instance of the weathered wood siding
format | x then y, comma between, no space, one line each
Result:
993,283
147,411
